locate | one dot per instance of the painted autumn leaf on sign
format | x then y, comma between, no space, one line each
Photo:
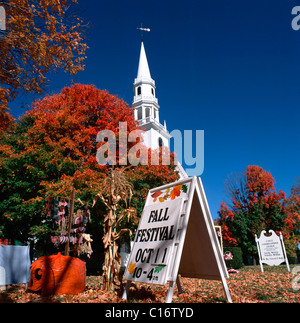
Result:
175,192
131,268
156,195
184,188
171,192
159,268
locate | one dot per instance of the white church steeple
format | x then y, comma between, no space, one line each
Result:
143,69
146,108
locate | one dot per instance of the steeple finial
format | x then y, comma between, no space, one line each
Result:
142,30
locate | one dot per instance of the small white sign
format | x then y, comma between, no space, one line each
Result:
271,249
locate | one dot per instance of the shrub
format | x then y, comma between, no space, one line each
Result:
237,261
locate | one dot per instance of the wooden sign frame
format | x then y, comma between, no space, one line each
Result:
196,252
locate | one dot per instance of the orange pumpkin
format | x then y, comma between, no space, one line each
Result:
57,274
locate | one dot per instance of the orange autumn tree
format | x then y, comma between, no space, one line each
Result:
292,206
40,36
52,150
292,221
254,205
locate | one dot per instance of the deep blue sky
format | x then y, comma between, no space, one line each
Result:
230,68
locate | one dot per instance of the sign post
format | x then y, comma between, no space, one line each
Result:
2,18
271,249
176,236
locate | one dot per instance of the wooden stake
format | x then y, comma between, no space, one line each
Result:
67,247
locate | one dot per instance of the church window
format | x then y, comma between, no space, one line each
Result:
152,90
160,142
140,114
147,112
139,90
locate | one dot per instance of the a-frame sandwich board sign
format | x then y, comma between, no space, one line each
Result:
176,236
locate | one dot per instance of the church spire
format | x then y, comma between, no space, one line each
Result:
144,90
146,108
143,69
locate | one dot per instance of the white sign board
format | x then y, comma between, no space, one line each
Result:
154,243
175,236
271,249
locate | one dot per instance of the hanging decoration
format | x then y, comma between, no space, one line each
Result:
72,235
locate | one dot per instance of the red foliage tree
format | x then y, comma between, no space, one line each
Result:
52,150
69,122
254,206
226,213
292,206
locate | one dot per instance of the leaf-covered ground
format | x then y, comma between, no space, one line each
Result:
249,285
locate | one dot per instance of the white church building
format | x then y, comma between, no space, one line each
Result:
146,109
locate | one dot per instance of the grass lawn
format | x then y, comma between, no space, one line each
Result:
249,285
